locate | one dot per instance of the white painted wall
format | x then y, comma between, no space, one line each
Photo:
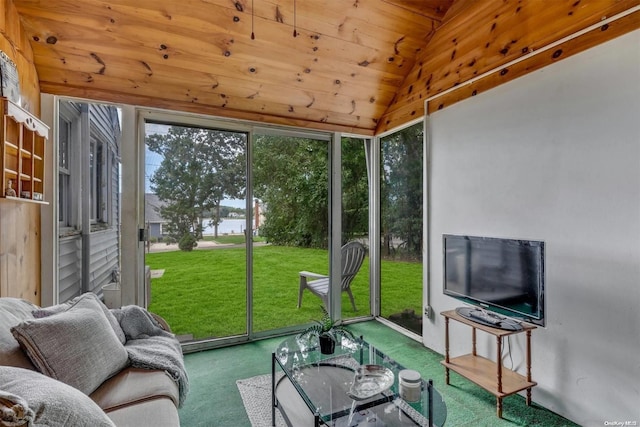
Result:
555,156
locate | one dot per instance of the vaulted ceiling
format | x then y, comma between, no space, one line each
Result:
360,66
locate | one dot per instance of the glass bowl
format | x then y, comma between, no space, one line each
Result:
370,380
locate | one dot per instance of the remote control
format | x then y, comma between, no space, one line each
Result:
484,317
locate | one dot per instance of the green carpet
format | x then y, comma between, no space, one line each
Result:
214,399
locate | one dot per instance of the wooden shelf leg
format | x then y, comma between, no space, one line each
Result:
499,407
499,365
473,341
446,339
446,349
528,335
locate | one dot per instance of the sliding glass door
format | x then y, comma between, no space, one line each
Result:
230,226
196,221
291,226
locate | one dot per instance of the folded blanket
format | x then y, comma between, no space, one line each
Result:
151,347
14,410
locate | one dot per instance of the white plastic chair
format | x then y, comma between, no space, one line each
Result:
352,258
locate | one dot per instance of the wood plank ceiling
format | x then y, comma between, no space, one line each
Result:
360,66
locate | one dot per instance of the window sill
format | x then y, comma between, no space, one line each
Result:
64,232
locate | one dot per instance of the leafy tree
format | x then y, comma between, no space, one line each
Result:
355,189
199,168
291,179
401,193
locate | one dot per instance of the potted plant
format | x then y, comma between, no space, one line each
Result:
327,330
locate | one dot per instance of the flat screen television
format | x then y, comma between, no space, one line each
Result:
505,276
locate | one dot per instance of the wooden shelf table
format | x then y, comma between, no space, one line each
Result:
490,375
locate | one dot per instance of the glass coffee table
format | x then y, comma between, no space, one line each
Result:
312,388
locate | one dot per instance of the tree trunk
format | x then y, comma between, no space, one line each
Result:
216,220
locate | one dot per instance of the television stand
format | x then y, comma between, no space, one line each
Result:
490,375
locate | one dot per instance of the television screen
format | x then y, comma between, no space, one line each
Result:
502,275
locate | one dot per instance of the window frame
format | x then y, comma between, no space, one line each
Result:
69,114
64,172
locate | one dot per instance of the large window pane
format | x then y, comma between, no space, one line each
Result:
291,187
355,220
401,227
196,221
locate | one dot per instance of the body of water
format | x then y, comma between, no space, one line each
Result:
227,226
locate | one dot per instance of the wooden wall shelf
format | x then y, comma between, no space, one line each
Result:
23,200
23,140
22,152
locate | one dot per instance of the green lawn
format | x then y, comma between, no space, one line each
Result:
235,239
203,292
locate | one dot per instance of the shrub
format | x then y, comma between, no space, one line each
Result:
187,242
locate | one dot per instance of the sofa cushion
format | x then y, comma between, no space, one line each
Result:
91,350
135,385
12,312
157,412
55,309
49,402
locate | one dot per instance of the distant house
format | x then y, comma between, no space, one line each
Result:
153,220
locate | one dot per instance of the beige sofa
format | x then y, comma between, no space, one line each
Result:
89,377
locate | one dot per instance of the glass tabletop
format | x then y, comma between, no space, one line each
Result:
356,385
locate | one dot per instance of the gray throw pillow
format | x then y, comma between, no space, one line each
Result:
12,312
77,346
49,402
55,309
